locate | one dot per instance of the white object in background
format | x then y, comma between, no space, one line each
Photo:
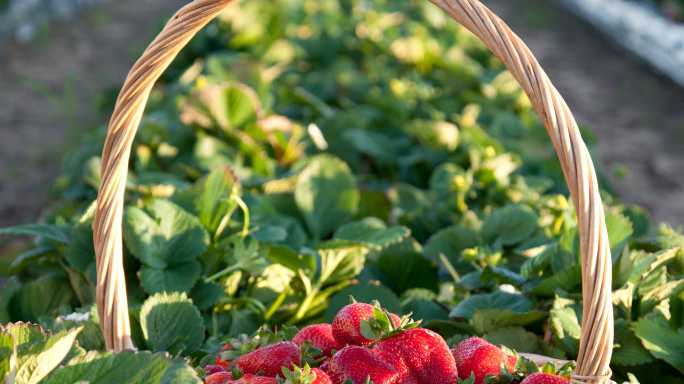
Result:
639,28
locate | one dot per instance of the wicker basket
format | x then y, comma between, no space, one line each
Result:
596,340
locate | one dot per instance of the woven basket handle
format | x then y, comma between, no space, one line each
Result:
596,341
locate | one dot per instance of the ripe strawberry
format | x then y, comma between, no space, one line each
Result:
545,378
420,356
253,379
325,365
346,327
219,378
320,336
321,377
225,364
511,362
358,364
465,348
480,358
269,360
213,368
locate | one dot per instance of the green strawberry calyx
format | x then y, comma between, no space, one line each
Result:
380,325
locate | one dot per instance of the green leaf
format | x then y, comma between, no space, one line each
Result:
51,232
661,339
509,225
176,278
269,234
80,253
10,288
274,280
628,350
516,338
125,367
501,275
240,105
564,280
340,261
29,257
374,144
619,231
426,310
564,321
450,242
25,335
270,230
214,200
41,297
291,259
498,300
37,366
171,322
243,322
205,295
535,265
326,194
660,292
446,190
647,263
404,267
90,337
487,320
228,106
7,353
164,234
372,232
363,293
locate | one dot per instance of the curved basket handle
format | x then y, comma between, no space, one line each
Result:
596,340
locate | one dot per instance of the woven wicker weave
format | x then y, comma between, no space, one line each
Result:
596,340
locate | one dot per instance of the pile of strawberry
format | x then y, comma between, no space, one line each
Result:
367,344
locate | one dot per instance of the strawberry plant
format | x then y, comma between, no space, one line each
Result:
303,152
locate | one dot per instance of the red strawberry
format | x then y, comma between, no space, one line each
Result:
358,364
545,378
325,365
420,356
225,364
465,348
320,336
252,379
213,368
480,358
511,362
219,378
269,360
346,327
321,377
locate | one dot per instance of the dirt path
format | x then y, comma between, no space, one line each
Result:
637,116
48,92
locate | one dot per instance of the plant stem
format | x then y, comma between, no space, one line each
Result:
245,213
224,272
304,307
277,303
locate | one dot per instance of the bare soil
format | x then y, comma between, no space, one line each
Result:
49,88
49,91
